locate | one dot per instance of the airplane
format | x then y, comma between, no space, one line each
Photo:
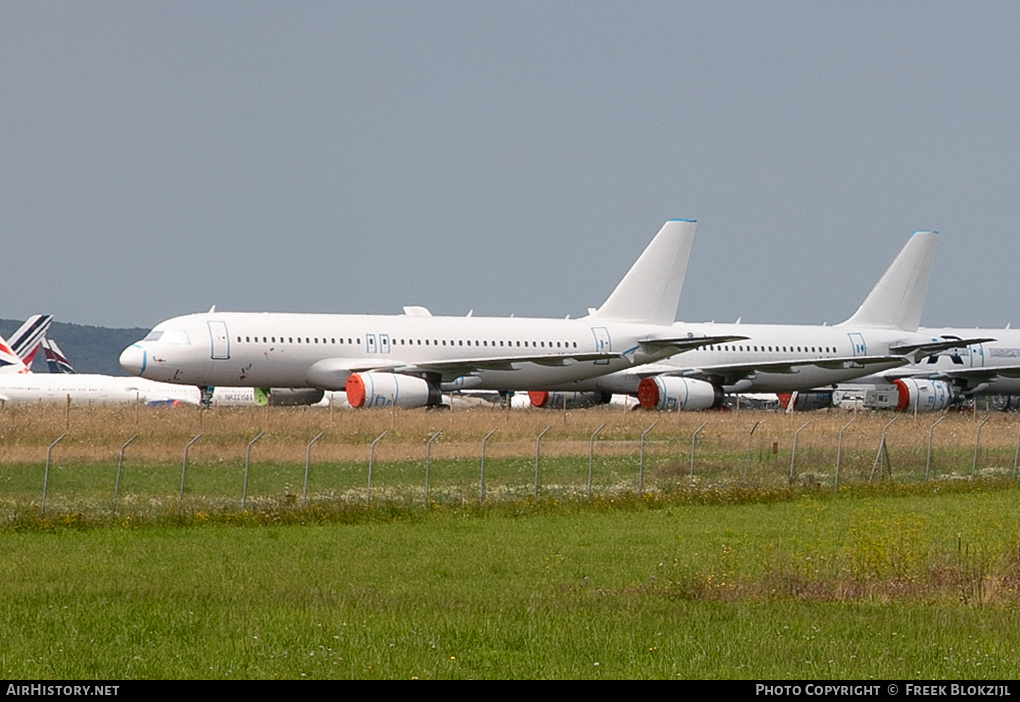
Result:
952,376
881,335
22,386
24,343
409,360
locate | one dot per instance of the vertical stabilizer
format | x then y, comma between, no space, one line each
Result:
55,358
25,341
896,300
650,292
9,361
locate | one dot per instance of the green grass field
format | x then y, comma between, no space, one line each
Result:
836,587
726,576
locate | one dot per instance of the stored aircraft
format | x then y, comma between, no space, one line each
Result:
20,386
989,368
881,335
407,360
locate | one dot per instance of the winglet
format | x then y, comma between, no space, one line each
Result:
650,292
896,300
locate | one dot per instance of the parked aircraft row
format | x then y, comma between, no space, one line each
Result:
19,385
630,345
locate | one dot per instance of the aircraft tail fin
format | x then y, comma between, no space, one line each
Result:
650,292
897,299
9,361
25,341
55,358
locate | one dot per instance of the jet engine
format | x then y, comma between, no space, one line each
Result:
567,400
390,389
666,392
923,395
806,400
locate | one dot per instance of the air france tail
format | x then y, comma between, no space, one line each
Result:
650,292
25,341
896,300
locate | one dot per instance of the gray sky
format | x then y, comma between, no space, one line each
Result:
514,157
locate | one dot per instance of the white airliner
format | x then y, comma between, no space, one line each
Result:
950,376
883,334
407,360
20,386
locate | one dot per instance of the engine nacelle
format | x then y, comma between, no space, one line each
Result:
295,397
567,400
664,392
923,395
390,389
806,400
1006,403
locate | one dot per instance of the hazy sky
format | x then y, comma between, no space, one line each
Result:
161,157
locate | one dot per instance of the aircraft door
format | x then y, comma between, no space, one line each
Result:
384,343
370,344
977,355
857,344
219,349
603,343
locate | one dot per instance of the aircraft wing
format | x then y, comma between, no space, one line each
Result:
728,374
454,368
332,373
918,351
964,378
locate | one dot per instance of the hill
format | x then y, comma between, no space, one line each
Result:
90,349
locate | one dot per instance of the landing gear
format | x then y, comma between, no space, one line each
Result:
205,401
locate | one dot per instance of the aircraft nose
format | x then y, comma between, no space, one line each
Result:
132,359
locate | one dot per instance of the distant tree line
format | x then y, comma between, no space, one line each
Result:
89,349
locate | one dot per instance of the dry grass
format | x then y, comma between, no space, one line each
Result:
96,433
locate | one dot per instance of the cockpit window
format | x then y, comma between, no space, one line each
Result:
169,336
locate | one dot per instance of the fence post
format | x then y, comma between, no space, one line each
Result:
1016,452
641,461
184,467
371,458
247,461
428,462
927,461
747,457
793,450
308,460
977,440
46,473
538,442
839,451
694,438
882,451
591,454
120,463
481,472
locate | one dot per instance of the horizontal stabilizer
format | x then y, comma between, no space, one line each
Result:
686,343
